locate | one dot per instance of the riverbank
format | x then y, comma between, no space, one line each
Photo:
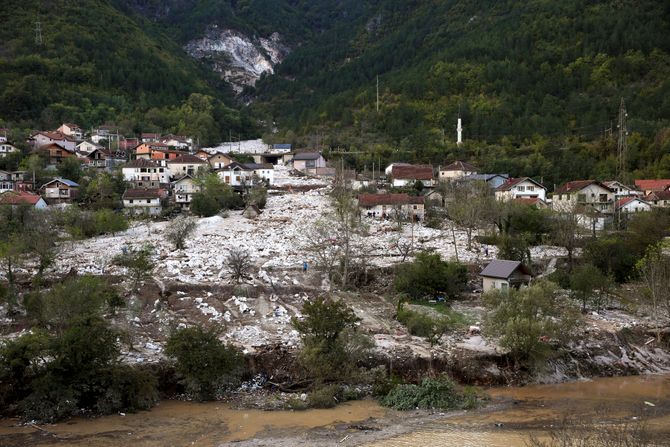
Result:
511,416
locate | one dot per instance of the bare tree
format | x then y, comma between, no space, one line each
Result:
565,233
471,207
239,263
324,247
654,269
179,230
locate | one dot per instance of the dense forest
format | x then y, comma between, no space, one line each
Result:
95,65
537,83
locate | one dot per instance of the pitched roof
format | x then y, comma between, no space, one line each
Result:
511,182
653,185
528,200
307,156
388,199
459,166
187,158
500,268
484,177
578,185
142,193
141,163
412,172
234,165
259,165
626,200
18,198
64,181
658,195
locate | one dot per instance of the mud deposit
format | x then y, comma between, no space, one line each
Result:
513,414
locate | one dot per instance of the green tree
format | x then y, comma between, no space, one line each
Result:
429,275
205,364
589,284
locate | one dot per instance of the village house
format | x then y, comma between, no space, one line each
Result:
658,199
532,201
86,147
3,135
583,193
157,152
456,170
127,144
144,173
631,204
236,174
502,274
71,130
218,160
6,149
60,190
183,190
109,134
262,171
407,175
307,162
186,164
103,159
54,152
8,181
143,201
520,188
383,206
494,181
149,137
41,139
621,190
649,186
177,142
22,198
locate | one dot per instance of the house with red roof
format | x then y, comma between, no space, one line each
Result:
186,164
19,198
649,186
40,139
383,206
520,188
631,204
584,194
456,170
71,130
407,175
659,199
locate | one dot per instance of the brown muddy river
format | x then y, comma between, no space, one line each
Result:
514,413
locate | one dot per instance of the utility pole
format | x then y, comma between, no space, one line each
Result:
622,143
377,93
38,33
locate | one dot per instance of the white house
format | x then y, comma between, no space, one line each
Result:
6,148
177,141
236,174
456,170
408,175
60,190
262,171
186,164
383,206
107,133
71,130
502,274
183,190
86,147
147,201
308,162
520,188
41,138
145,173
621,190
218,160
660,199
632,205
584,194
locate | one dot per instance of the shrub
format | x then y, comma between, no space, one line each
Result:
206,365
423,325
137,261
429,275
325,397
179,230
432,394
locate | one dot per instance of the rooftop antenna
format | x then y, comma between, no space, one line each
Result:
459,128
38,33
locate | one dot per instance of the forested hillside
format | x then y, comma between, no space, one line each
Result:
96,64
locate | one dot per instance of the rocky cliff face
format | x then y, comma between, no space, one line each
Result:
240,59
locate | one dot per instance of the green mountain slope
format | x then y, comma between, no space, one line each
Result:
514,68
97,64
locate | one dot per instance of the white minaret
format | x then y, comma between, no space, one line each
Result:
459,132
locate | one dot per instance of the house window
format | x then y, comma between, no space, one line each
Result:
531,188
148,201
603,197
130,201
581,197
521,188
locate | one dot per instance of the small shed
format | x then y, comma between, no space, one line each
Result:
251,212
502,274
